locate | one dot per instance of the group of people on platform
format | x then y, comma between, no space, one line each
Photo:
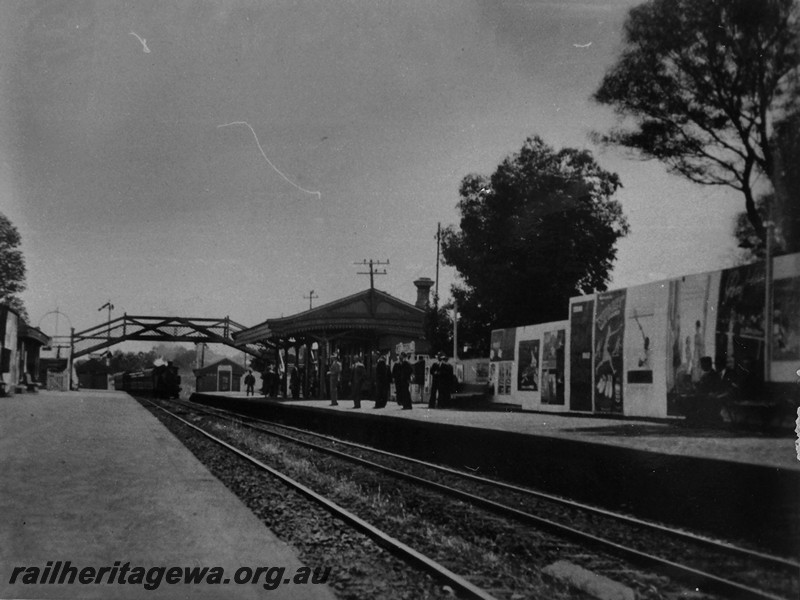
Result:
716,391
402,374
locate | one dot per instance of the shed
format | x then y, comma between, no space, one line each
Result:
222,376
93,374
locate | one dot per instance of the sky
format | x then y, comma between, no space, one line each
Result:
124,187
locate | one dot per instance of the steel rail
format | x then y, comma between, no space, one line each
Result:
381,538
717,545
680,572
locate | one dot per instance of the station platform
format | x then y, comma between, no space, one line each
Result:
660,436
92,479
735,484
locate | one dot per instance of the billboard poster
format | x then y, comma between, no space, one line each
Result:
786,320
640,329
502,344
740,318
504,378
609,332
580,355
690,333
528,369
553,367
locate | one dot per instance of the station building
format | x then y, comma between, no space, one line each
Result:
20,347
363,324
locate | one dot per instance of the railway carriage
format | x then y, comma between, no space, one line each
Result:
160,381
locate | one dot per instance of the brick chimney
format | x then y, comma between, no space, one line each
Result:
424,285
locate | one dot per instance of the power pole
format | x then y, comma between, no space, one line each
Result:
438,245
372,272
455,330
769,225
310,298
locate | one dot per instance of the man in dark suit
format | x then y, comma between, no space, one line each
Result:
382,381
401,374
446,380
435,372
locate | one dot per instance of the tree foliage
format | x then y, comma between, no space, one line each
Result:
439,328
701,82
542,228
12,266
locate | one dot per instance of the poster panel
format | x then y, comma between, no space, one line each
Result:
640,356
580,355
553,367
502,344
609,332
504,378
528,369
690,328
740,320
641,334
786,320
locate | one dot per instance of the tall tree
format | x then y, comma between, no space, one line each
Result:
701,82
438,328
542,228
12,266
782,207
785,209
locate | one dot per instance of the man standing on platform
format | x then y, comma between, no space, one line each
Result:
419,377
333,378
249,382
401,373
268,381
359,374
382,380
446,380
435,371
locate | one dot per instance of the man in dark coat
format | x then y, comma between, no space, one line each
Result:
435,372
268,381
359,374
249,382
446,380
419,377
382,381
401,374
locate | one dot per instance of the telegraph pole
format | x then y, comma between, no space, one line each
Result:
310,298
769,225
438,245
455,330
372,272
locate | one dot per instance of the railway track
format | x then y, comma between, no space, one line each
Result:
689,558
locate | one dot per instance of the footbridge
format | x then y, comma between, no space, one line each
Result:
159,329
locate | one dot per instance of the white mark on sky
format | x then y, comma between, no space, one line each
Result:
269,162
143,41
582,45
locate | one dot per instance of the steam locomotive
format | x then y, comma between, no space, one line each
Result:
161,381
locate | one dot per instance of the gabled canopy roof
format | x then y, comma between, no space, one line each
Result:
369,311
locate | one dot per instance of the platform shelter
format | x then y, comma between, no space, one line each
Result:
362,324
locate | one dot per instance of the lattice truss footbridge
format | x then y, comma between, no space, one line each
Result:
160,329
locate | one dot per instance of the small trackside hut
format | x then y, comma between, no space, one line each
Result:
225,375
